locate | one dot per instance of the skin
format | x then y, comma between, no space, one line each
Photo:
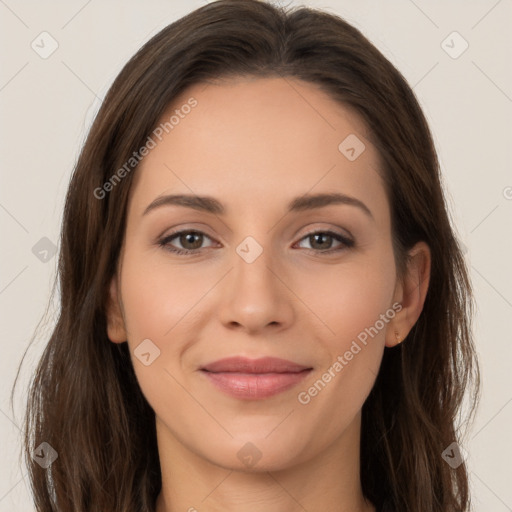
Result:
255,144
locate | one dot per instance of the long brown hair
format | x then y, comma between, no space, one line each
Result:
84,399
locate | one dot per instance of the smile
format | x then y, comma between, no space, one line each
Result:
255,386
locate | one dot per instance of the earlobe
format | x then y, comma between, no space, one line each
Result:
116,330
413,292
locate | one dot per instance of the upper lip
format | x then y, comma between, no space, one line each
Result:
261,365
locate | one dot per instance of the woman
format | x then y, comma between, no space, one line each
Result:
263,302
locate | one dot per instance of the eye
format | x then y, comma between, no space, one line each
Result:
190,240
322,240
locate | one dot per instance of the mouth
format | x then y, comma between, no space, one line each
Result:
262,365
254,379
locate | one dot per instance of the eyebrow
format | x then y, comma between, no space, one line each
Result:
299,204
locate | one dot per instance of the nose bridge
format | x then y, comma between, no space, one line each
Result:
252,262
255,297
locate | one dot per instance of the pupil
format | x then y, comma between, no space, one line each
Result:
322,238
189,238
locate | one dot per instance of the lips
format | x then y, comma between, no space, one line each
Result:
253,379
262,365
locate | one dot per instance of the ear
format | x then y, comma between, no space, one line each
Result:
410,294
116,329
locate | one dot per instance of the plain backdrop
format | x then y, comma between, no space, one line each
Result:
47,105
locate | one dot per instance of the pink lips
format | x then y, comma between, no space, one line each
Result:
254,378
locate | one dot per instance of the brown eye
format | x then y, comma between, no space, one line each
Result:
190,241
194,238
322,241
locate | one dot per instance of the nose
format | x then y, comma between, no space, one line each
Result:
255,297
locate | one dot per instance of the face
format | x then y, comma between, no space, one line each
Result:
265,271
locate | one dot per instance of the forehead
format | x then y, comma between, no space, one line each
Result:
258,139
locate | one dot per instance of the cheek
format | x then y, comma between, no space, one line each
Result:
359,311
164,303
157,296
160,298
353,302
354,306
159,302
348,298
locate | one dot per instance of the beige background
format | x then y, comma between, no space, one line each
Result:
47,105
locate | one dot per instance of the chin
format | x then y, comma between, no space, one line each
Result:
257,456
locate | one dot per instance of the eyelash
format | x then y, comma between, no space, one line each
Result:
164,242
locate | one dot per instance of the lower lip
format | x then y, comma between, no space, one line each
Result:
254,386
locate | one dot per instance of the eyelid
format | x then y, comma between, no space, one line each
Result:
164,240
345,233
